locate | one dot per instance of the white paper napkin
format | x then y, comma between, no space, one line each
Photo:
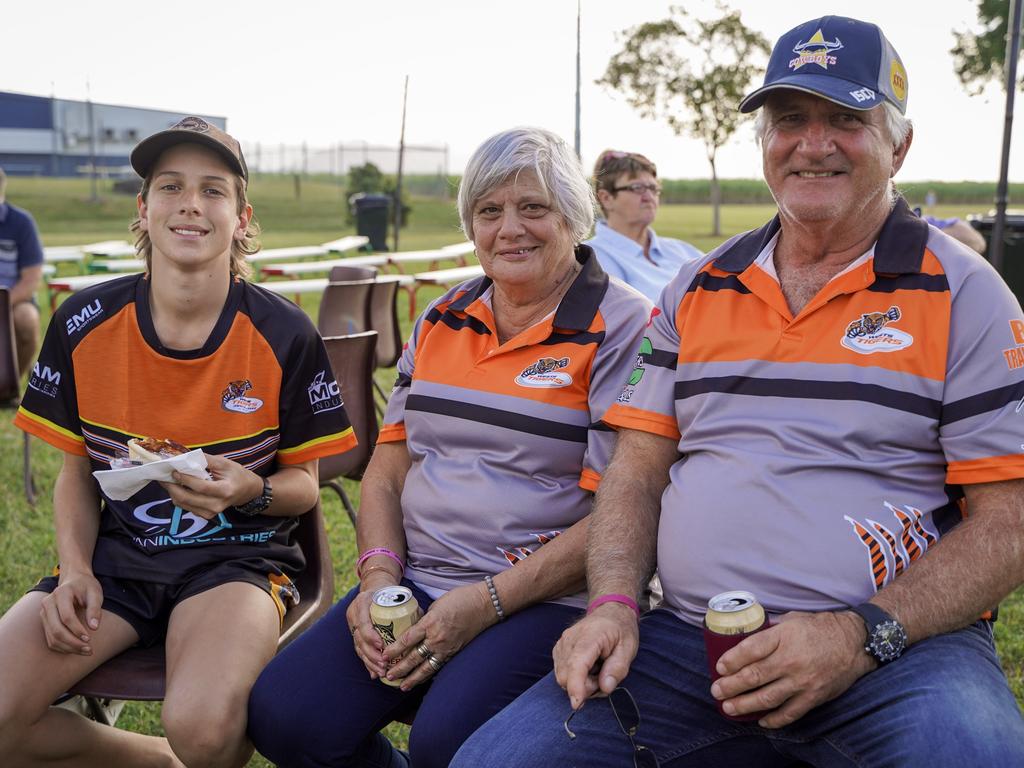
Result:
121,484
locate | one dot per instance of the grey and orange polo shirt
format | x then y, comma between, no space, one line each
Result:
823,454
505,439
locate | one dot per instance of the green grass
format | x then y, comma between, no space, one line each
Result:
66,216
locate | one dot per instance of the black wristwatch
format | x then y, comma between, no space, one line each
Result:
253,507
886,637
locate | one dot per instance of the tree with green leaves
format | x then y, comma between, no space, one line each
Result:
692,73
979,57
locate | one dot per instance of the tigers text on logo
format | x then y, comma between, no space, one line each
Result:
324,394
544,374
1015,355
89,313
872,333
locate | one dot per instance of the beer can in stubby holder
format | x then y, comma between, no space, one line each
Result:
731,617
393,610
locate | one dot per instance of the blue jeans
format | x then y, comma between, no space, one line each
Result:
315,704
945,702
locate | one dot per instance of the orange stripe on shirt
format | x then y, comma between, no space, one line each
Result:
391,433
589,479
644,421
986,470
328,445
49,432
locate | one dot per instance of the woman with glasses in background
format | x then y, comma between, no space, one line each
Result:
628,192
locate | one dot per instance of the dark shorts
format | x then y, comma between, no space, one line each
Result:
147,605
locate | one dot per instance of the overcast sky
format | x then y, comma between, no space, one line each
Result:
324,71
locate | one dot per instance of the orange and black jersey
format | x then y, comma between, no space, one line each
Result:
259,392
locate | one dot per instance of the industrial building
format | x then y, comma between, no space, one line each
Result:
42,136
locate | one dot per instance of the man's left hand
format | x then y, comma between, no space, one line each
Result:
232,484
788,669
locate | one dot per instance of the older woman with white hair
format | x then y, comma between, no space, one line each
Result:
477,495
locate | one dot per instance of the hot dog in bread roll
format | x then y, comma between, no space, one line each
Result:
146,449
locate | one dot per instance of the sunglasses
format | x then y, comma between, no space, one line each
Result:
638,188
627,715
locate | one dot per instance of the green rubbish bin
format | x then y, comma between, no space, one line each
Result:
371,213
1013,246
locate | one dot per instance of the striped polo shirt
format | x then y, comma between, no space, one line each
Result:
259,392
823,454
505,439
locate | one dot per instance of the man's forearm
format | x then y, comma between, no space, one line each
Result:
622,542
26,287
969,570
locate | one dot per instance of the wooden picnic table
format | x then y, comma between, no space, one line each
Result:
311,267
347,243
75,283
65,253
110,249
117,265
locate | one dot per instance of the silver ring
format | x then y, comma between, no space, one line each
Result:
422,649
435,663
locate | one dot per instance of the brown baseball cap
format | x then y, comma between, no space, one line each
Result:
193,129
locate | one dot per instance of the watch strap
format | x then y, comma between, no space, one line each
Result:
874,620
258,504
872,615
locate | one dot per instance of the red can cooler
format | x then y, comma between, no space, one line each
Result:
731,617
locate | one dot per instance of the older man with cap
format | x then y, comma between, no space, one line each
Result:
825,413
191,352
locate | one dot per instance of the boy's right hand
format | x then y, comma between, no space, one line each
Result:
71,613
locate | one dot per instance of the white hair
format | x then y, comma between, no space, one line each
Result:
897,125
558,170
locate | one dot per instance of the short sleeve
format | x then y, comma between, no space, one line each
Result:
624,318
982,425
49,407
313,419
30,249
393,428
647,402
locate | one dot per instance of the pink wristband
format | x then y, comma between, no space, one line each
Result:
624,599
378,551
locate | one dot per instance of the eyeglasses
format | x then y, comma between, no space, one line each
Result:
638,188
628,717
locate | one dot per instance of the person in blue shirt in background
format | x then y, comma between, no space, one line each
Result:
628,192
21,270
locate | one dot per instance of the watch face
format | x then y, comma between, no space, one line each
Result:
888,641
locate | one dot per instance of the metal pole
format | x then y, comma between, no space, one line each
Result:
996,246
92,142
401,154
578,80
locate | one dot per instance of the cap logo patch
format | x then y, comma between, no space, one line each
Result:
863,94
898,78
817,50
193,124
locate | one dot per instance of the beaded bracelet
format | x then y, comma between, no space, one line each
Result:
494,598
613,598
379,551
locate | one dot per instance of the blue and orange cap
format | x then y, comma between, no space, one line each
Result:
844,60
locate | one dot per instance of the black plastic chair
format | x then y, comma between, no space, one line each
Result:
10,385
140,674
352,362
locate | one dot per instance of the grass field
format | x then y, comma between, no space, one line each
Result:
66,216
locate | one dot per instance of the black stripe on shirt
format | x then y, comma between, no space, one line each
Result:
707,282
457,323
498,418
661,359
580,337
984,402
812,390
891,283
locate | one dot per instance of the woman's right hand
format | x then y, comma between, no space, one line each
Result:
71,613
367,642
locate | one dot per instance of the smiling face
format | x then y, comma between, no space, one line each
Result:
191,209
625,210
520,241
826,163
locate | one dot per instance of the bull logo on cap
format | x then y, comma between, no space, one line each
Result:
193,124
817,50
